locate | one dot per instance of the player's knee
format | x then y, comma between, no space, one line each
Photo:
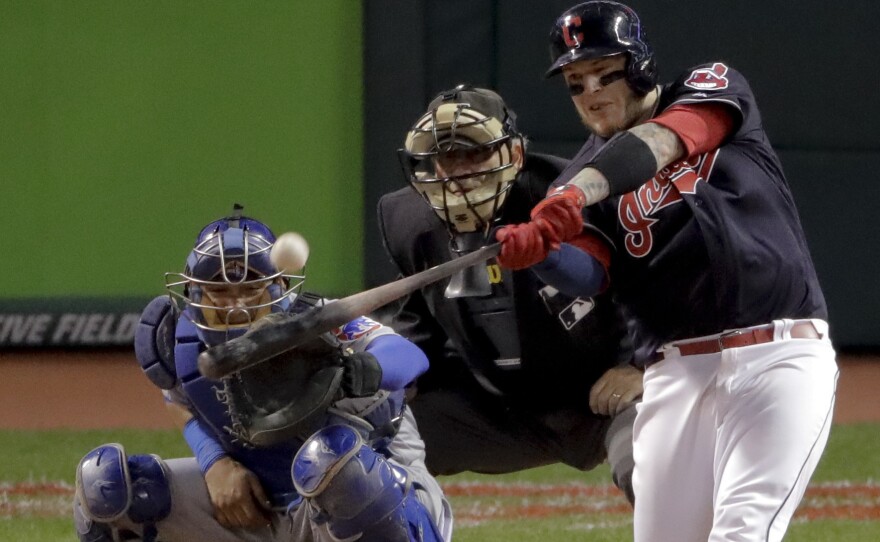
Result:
358,491
624,481
618,444
111,486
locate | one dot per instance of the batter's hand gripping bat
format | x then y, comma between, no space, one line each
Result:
286,334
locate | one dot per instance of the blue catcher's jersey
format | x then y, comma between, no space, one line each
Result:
271,464
714,241
204,396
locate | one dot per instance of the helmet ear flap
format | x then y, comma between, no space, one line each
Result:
641,73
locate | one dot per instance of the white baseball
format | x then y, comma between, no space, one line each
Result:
290,252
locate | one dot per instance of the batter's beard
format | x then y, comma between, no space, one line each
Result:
633,112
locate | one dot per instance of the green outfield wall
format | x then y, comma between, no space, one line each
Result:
125,126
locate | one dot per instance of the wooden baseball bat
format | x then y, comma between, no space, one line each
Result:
286,334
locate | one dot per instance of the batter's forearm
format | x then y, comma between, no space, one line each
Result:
663,142
630,163
593,184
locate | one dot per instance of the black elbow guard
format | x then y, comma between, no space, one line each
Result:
626,161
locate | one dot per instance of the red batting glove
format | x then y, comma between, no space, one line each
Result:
559,215
522,246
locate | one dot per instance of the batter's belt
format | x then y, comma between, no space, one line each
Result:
803,329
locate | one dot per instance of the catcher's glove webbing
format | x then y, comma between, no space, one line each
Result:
286,396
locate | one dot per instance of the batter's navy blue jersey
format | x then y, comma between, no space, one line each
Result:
712,242
526,339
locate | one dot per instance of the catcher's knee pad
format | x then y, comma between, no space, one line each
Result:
110,486
154,342
358,491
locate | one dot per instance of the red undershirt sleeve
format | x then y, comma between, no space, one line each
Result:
700,127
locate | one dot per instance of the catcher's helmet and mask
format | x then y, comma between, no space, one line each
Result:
599,29
229,287
229,281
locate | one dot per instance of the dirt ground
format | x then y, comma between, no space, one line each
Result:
103,390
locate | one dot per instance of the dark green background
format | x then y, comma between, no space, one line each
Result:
128,125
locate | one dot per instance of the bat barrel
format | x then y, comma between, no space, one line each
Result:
224,359
276,338
263,343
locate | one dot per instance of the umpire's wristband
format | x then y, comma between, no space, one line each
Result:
204,446
626,161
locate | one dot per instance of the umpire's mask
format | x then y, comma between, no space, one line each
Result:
462,156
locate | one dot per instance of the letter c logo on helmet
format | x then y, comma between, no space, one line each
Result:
572,22
601,28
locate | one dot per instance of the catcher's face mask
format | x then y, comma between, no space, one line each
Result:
229,281
463,163
236,305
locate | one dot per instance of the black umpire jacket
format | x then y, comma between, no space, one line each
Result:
564,344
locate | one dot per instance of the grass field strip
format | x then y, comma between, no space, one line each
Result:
480,502
40,499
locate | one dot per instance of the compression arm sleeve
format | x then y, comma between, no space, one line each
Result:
700,127
401,361
204,446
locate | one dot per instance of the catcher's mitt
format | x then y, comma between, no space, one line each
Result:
286,396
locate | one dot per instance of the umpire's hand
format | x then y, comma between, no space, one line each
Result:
615,390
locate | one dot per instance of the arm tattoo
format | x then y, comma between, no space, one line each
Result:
661,142
593,184
664,143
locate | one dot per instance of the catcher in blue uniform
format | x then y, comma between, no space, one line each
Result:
521,375
313,445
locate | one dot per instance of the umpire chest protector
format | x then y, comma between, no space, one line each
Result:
526,334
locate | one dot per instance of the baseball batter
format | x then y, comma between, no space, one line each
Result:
712,263
315,447
521,374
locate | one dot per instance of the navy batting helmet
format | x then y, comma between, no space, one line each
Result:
603,28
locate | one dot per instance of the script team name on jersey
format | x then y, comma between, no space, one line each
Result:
638,210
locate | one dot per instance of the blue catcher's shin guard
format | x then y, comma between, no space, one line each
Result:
358,490
111,486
